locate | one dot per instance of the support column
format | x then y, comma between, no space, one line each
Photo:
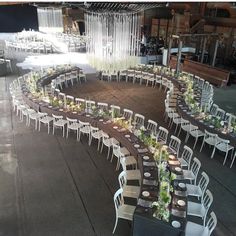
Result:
169,48
215,52
179,56
203,49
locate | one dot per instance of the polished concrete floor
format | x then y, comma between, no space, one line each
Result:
56,186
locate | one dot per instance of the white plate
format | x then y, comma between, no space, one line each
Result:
115,127
88,115
147,174
136,145
172,157
211,126
100,119
49,106
145,193
175,224
60,109
181,203
178,169
146,158
127,136
74,112
182,185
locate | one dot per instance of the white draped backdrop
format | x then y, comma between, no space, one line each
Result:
113,40
50,19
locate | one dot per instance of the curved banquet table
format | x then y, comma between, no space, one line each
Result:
143,223
197,120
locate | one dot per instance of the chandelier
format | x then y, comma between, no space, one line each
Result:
113,40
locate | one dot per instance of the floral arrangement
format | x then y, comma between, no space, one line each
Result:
161,207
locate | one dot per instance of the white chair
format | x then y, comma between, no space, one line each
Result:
127,114
137,76
194,229
72,124
80,103
213,109
158,80
152,127
130,174
115,111
107,141
210,139
89,104
162,135
84,129
185,126
130,74
174,145
45,119
200,209
192,174
223,146
130,191
96,134
151,79
102,105
194,132
199,189
123,210
35,116
118,152
58,121
186,157
176,120
138,120
220,113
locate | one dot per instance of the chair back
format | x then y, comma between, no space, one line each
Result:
128,114
102,105
187,155
115,110
152,126
195,167
220,113
162,134
56,118
122,162
214,109
203,182
207,200
211,223
116,150
122,179
118,199
139,119
174,144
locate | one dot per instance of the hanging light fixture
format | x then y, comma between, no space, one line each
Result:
112,40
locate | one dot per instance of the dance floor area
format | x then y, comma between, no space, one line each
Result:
56,186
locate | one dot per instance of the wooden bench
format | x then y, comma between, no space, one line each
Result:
213,75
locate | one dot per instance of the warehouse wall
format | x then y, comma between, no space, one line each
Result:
15,18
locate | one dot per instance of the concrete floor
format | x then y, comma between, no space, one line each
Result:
56,186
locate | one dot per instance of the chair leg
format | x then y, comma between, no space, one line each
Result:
202,145
187,137
101,148
213,152
196,139
99,140
115,226
226,154
108,153
232,161
49,128
67,133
